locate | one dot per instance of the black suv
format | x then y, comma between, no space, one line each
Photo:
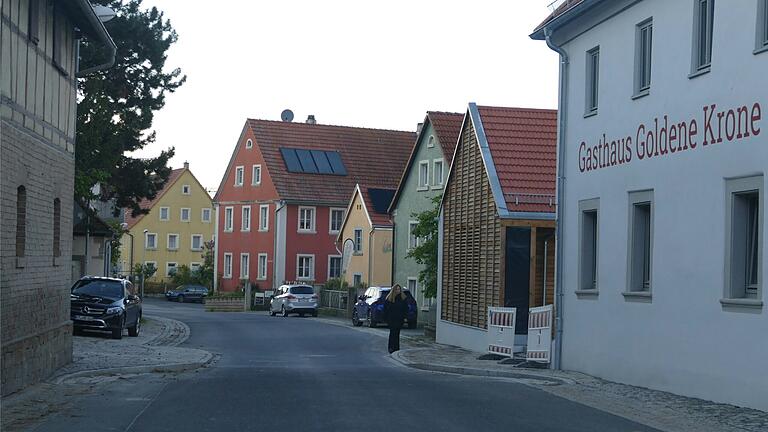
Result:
109,304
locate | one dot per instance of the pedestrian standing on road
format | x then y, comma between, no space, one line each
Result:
395,310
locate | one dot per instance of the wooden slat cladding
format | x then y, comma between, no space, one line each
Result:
472,239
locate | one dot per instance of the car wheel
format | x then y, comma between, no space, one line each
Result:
412,324
133,331
118,332
355,319
284,311
181,299
271,312
371,322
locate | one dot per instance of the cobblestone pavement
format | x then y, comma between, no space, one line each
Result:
99,360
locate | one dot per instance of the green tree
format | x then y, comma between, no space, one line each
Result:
116,107
183,276
425,253
144,270
204,275
117,241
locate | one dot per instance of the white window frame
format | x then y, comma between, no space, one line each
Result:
264,217
245,258
227,269
154,263
249,143
194,264
245,219
167,214
643,57
203,212
701,36
330,257
431,141
357,276
592,87
413,241
589,248
186,189
168,241
168,267
311,275
239,175
330,219
437,184
189,214
736,292
761,44
229,219
311,228
357,246
146,241
423,182
192,242
639,246
262,268
256,175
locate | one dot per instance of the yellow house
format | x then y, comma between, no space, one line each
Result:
172,234
368,227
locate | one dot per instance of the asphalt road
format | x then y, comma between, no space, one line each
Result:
292,374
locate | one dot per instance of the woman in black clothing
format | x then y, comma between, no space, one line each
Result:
395,310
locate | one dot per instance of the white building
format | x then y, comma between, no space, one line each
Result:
663,148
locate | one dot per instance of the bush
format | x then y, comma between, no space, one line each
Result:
227,295
336,284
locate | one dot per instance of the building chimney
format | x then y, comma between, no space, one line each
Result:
419,126
186,165
311,119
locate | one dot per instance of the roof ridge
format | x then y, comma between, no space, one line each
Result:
330,126
518,108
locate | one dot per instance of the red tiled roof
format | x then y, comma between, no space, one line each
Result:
564,7
371,157
523,144
447,127
148,204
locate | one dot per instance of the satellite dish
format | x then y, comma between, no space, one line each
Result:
286,115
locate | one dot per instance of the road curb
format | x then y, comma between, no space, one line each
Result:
460,370
171,367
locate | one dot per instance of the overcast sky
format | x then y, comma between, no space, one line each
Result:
351,63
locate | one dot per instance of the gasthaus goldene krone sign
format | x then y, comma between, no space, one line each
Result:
664,136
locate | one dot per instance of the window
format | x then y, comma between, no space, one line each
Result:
744,239
228,218
245,263
588,245
334,266
643,44
245,223
431,141
34,21
437,172
264,217
357,279
256,175
21,221
358,241
56,224
413,241
702,38
423,175
205,216
197,242
165,213
173,241
412,285
170,269
337,218
186,190
305,267
195,266
227,266
150,241
762,27
239,173
306,219
185,214
59,37
262,267
593,80
249,144
640,255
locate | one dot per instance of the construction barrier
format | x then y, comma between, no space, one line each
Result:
501,330
540,334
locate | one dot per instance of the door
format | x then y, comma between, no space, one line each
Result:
517,275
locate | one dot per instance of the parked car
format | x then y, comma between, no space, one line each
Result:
370,307
300,299
184,293
107,304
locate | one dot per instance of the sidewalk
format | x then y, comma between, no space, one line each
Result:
97,360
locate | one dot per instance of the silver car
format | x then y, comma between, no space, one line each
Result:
300,299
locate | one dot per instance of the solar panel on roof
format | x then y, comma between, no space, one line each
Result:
321,160
307,163
291,160
336,164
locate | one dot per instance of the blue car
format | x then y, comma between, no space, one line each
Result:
370,308
187,293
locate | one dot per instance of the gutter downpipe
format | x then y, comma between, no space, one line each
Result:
279,206
562,120
216,247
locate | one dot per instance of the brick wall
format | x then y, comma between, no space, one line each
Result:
35,329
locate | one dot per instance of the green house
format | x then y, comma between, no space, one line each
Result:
423,178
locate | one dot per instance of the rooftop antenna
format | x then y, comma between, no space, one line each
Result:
286,115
